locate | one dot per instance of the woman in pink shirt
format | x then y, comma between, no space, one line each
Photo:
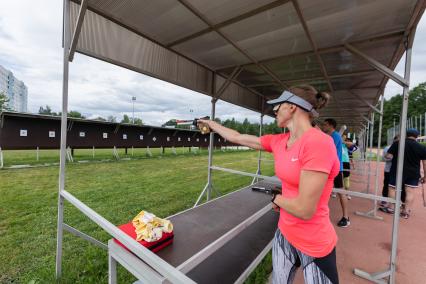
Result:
306,162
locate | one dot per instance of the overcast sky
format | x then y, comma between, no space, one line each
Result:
30,46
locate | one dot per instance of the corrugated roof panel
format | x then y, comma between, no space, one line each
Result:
218,11
295,68
103,39
270,34
253,75
163,21
337,22
357,82
268,31
212,50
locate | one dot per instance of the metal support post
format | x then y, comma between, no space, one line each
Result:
112,269
38,154
259,172
400,164
378,66
79,24
1,159
62,156
379,277
373,212
371,152
425,125
208,188
148,152
93,152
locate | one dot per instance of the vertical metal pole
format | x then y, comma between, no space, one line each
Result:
62,159
367,131
425,125
393,127
1,159
211,145
93,152
112,270
258,172
379,146
401,149
366,149
371,152
38,154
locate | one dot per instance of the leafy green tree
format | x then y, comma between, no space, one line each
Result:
171,122
138,121
392,110
111,118
75,114
46,110
125,119
100,118
3,102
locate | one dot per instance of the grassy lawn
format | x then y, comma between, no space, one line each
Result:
116,190
29,157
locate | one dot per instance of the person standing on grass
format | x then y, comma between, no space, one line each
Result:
329,127
306,163
414,154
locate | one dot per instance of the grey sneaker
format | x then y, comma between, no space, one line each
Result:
343,223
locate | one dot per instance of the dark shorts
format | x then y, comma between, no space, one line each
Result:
408,182
338,180
346,169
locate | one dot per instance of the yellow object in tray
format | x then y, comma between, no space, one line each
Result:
149,227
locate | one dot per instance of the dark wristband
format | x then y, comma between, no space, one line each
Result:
273,199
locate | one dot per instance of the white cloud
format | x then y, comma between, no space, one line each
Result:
30,41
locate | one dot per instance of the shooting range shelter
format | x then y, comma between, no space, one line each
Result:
20,131
245,53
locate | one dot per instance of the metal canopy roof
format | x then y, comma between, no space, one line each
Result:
262,46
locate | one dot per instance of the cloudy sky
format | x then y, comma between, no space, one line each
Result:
30,46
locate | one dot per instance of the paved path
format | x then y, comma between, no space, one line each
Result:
366,243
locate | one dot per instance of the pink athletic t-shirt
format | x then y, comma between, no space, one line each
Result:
314,151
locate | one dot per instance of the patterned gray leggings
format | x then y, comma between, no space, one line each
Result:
286,259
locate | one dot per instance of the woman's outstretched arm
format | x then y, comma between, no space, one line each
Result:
234,136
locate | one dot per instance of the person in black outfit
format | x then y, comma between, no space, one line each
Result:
384,206
413,154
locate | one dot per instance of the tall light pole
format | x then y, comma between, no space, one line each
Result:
133,110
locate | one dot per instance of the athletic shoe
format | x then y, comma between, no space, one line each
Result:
343,223
404,215
387,210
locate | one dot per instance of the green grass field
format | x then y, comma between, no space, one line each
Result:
117,190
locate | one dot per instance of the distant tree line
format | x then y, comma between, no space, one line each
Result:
47,110
392,110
